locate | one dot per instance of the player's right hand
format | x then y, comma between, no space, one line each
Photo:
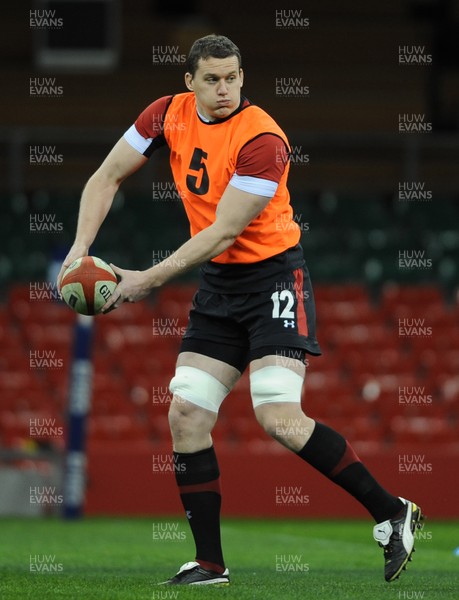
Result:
76,251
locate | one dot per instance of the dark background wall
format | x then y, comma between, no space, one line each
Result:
375,149
345,128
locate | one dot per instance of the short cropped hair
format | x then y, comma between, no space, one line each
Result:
215,46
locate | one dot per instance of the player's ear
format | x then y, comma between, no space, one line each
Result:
189,81
241,75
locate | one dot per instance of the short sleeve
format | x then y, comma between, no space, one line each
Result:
265,157
260,165
147,133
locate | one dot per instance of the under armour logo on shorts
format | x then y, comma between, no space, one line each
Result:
289,323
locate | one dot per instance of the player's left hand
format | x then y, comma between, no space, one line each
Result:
132,288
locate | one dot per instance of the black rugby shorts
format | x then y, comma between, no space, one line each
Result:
239,327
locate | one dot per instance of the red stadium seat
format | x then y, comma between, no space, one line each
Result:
422,429
394,294
347,311
116,428
174,302
386,360
245,429
237,404
354,336
132,313
357,385
180,293
448,387
349,292
23,400
15,358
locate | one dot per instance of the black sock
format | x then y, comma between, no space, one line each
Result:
328,452
198,479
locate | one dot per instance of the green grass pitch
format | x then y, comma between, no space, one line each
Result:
122,559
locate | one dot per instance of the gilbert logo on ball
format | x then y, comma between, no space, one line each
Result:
87,284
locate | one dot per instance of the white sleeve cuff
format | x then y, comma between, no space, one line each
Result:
254,185
138,142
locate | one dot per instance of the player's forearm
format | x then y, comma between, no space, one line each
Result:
205,245
95,203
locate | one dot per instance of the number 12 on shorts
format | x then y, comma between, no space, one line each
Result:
285,296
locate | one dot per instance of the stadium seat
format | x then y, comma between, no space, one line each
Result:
386,360
120,428
357,384
174,302
393,295
237,404
422,429
358,336
340,293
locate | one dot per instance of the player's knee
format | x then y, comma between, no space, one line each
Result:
199,388
197,397
275,384
272,387
180,415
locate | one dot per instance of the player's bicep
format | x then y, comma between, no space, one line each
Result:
237,208
122,161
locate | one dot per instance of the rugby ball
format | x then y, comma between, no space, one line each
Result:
87,284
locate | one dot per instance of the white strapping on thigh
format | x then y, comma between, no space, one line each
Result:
198,387
275,384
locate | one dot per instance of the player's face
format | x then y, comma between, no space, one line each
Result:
217,86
